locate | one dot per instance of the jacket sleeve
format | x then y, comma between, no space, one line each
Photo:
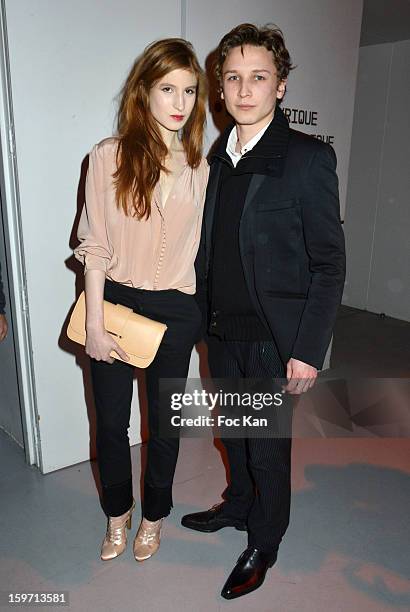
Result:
2,296
95,251
325,245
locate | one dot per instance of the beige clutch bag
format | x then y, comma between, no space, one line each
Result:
138,336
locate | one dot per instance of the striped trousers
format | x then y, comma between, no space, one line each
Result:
260,468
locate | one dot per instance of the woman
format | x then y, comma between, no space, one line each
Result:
139,234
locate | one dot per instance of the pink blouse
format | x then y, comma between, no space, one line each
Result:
157,253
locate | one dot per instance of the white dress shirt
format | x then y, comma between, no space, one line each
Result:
233,139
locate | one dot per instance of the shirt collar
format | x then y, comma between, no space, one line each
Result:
233,139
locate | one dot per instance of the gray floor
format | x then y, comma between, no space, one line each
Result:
347,547
367,343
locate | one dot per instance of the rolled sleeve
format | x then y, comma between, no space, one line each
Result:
94,250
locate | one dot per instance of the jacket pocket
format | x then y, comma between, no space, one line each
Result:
286,294
275,205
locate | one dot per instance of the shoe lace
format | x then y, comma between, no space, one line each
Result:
146,537
115,530
147,534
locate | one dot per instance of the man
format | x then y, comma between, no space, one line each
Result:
3,320
272,264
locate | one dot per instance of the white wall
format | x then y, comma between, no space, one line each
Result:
378,212
68,61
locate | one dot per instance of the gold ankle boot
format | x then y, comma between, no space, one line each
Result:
115,539
147,540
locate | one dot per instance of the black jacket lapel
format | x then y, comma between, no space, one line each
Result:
209,212
255,184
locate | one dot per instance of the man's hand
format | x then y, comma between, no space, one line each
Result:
301,376
3,327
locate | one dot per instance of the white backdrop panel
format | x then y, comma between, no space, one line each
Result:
378,214
364,171
68,62
389,286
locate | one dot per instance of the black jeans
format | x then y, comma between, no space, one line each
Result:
113,387
260,468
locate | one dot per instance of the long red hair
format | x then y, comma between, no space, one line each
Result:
141,151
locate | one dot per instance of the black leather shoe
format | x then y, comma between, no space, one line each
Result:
248,573
211,520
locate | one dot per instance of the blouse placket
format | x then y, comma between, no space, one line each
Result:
163,246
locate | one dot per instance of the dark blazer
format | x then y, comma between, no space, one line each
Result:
290,239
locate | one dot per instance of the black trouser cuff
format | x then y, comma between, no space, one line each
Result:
157,502
117,499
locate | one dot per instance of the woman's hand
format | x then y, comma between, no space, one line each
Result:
99,344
